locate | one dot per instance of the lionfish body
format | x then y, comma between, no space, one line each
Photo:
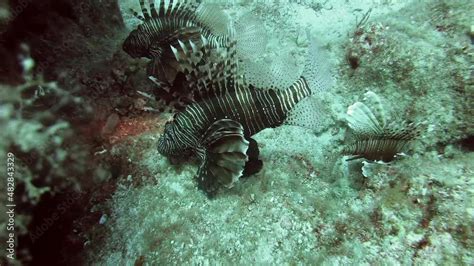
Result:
219,127
378,148
254,109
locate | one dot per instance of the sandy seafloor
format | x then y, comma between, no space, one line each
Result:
307,205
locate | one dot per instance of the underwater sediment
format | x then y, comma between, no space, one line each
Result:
374,169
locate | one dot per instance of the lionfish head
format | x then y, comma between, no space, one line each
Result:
137,44
167,144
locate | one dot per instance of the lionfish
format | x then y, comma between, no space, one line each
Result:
167,21
372,137
218,129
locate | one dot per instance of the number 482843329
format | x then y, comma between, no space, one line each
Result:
10,176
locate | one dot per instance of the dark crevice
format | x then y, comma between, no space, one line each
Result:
467,144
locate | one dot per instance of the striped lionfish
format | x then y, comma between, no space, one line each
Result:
167,21
374,139
218,129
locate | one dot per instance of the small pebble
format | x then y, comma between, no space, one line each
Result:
111,124
103,219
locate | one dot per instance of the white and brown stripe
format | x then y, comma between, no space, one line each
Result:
162,24
254,109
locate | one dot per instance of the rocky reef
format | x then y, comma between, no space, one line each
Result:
81,119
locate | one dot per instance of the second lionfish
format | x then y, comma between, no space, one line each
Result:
165,22
372,137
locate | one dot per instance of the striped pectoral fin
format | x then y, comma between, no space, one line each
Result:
225,155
